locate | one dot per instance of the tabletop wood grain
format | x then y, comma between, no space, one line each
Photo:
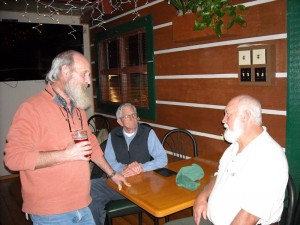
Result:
160,195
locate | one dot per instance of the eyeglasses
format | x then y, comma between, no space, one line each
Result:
131,116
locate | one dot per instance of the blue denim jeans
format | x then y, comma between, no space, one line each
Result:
81,216
101,194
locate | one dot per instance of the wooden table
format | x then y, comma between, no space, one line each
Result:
160,195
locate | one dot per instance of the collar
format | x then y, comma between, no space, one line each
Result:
58,99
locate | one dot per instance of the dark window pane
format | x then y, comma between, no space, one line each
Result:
136,49
113,54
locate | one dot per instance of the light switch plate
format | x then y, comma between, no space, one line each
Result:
259,56
245,58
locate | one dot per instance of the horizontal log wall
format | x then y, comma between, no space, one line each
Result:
196,78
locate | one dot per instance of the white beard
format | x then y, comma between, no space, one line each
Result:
77,93
232,135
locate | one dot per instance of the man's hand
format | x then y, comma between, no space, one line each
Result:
78,151
200,205
132,169
119,179
72,152
200,209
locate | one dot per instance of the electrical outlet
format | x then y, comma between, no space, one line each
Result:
259,56
260,74
245,74
245,58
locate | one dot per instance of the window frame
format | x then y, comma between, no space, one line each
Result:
145,23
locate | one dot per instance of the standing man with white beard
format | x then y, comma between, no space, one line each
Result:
249,187
54,171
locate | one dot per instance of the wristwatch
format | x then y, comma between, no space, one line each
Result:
112,174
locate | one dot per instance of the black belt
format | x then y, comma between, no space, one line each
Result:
276,223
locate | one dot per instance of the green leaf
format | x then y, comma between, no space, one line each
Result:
209,13
200,26
218,29
230,24
177,4
241,7
219,13
239,19
231,11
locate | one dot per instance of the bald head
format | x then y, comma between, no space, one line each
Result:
246,103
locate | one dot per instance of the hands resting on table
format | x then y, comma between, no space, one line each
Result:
132,169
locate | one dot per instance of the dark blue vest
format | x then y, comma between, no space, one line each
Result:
138,149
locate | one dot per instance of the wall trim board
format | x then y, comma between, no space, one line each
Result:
201,134
254,3
220,107
224,43
206,106
162,25
207,76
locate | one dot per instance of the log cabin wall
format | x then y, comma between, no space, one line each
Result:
196,77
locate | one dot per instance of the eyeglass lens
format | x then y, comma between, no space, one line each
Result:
132,116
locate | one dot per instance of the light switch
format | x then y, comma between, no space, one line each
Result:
245,58
259,56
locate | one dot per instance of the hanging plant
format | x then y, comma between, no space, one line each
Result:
210,13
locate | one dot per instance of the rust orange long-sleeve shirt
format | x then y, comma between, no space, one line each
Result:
39,125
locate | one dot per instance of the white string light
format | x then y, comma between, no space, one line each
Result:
94,8
37,27
71,32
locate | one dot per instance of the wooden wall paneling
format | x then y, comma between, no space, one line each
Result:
198,61
191,118
162,12
276,125
212,60
258,17
209,121
220,91
211,149
208,148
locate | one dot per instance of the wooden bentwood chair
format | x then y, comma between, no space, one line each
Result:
115,208
180,144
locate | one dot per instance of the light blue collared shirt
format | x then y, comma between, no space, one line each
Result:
155,148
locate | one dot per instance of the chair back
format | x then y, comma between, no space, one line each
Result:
297,212
100,127
180,144
292,201
97,122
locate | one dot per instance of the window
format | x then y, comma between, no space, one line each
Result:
125,67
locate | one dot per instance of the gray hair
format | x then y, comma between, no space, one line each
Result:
252,105
64,58
119,113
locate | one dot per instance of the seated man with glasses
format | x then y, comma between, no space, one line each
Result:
131,149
